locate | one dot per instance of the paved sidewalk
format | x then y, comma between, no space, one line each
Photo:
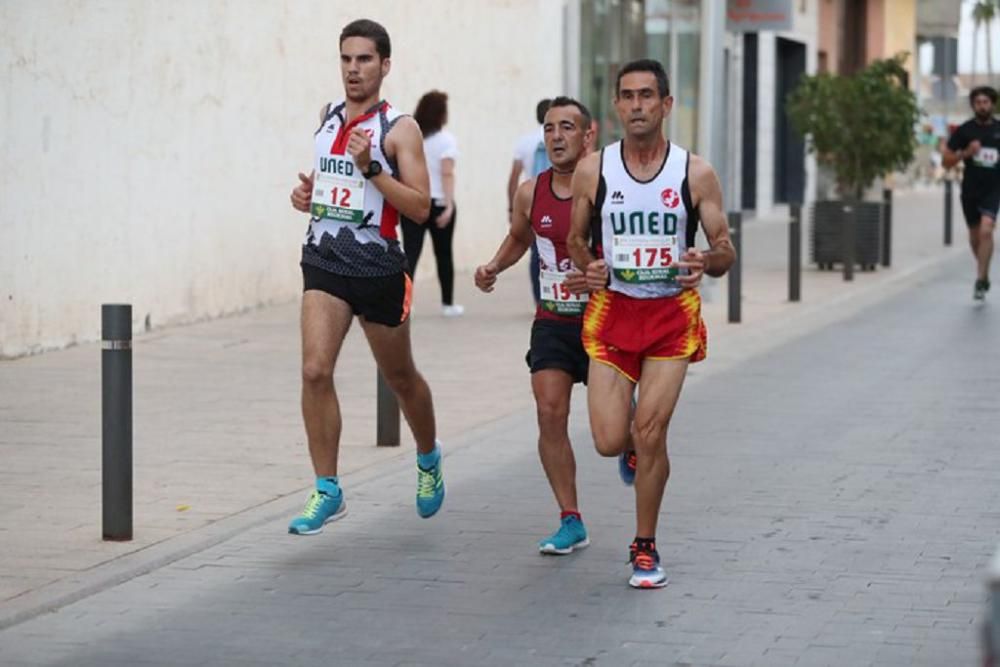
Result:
217,425
833,502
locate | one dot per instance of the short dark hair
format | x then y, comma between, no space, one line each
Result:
654,67
370,30
988,91
563,101
432,111
541,108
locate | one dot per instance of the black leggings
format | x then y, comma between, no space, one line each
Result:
413,244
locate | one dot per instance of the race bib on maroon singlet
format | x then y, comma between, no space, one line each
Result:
556,297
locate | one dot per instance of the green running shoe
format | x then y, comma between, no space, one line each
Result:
430,490
320,509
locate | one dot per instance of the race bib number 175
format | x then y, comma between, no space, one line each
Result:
645,259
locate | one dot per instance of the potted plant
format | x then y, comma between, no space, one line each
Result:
862,127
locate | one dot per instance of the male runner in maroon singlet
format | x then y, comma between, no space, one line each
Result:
541,214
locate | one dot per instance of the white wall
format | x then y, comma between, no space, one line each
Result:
147,148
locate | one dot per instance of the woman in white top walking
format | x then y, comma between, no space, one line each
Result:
440,151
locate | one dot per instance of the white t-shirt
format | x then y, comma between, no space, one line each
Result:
524,151
438,146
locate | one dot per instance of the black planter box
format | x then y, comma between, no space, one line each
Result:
828,218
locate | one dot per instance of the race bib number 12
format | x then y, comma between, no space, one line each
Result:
339,191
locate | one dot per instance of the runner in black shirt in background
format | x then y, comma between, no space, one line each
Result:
977,142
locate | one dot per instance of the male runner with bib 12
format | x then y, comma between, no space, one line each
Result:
645,197
541,214
369,168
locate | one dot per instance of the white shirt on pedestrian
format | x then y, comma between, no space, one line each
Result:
439,146
524,151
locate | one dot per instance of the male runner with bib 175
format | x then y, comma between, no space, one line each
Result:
644,197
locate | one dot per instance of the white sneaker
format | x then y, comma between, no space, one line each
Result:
453,310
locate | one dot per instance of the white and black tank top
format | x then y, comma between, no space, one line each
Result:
642,228
348,234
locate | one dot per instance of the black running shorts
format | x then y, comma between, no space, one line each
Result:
975,208
383,299
557,345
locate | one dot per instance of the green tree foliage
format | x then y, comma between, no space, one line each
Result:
862,125
983,14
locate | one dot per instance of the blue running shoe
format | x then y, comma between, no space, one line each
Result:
570,537
320,509
430,490
646,569
626,460
626,467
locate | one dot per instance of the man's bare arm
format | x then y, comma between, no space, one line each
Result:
584,189
302,193
410,194
706,196
950,158
519,238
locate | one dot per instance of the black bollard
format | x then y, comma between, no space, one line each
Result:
735,277
387,415
116,421
847,241
947,211
991,638
886,227
795,254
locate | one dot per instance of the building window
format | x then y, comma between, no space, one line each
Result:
613,32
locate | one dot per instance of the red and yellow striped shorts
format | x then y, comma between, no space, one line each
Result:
622,331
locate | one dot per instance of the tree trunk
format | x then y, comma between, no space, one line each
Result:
989,49
975,52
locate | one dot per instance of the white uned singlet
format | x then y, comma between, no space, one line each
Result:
645,226
352,231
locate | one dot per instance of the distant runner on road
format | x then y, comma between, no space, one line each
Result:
977,143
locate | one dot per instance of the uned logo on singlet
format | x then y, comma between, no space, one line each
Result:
643,223
670,198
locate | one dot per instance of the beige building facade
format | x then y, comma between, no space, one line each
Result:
148,152
148,148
